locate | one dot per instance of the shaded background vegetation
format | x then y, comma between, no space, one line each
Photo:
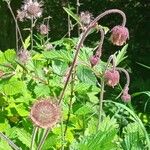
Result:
138,22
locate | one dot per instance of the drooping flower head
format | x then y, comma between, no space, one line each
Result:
44,29
45,113
126,97
94,60
112,77
119,35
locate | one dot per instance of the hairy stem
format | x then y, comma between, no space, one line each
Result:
31,33
102,93
99,50
33,137
78,6
70,103
9,141
8,3
127,75
43,139
62,132
81,40
101,102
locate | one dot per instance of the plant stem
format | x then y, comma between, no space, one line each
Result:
127,75
8,3
43,139
62,131
4,137
101,102
69,21
31,33
16,39
33,137
70,103
78,5
81,40
102,93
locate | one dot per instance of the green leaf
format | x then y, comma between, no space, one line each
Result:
121,55
4,145
139,93
23,136
59,67
133,137
145,66
74,16
61,55
2,58
42,90
13,87
83,110
103,139
10,55
22,111
26,44
85,75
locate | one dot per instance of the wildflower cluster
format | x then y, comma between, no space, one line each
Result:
30,9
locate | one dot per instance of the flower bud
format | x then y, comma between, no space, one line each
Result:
112,77
23,56
43,29
94,60
85,18
119,35
126,97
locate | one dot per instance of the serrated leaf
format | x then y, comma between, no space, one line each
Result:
42,90
74,16
59,67
121,55
22,111
13,87
26,44
23,136
85,75
10,55
83,110
61,55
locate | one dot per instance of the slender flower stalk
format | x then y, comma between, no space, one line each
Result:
43,139
83,37
70,103
33,137
126,97
18,29
31,33
102,93
78,6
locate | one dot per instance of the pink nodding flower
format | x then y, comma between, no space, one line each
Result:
94,60
119,35
112,77
126,97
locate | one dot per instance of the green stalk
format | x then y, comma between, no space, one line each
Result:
33,137
43,139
